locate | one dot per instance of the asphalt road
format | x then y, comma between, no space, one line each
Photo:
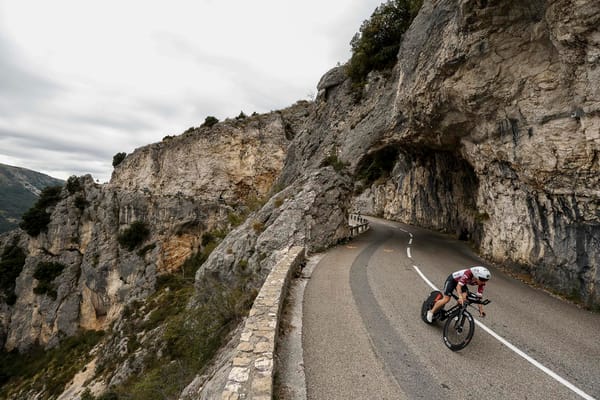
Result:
363,338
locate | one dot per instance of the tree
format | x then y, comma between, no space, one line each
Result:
36,219
376,45
210,121
118,158
73,184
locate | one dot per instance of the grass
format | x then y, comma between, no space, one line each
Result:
46,372
183,338
188,337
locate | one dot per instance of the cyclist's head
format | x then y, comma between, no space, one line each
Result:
481,273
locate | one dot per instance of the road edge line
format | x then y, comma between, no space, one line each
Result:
519,352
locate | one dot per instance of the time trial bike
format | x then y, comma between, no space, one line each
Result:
460,325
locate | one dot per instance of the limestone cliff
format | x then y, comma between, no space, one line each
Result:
487,127
493,112
180,188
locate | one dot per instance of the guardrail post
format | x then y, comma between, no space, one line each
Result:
358,224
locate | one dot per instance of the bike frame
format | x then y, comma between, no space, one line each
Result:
457,309
460,324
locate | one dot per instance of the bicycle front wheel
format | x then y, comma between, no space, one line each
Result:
458,331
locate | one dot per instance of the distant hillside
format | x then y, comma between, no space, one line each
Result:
19,190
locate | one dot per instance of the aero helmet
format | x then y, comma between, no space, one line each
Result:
481,273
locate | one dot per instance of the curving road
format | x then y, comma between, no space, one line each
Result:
363,337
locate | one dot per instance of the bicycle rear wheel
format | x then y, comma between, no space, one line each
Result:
458,331
428,304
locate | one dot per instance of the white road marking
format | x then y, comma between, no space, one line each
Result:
408,252
505,342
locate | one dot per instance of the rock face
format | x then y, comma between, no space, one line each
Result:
227,162
488,127
497,132
170,188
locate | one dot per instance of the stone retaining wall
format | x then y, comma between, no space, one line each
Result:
251,375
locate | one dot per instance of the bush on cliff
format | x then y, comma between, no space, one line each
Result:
46,273
376,45
36,219
209,121
73,184
118,159
11,265
133,236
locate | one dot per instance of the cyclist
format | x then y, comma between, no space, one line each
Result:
459,280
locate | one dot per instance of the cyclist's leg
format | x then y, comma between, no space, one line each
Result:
449,286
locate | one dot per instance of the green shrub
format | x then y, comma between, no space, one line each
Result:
73,184
235,219
87,395
133,236
335,162
36,219
45,371
49,197
210,121
11,265
118,159
81,203
376,45
207,238
210,240
45,273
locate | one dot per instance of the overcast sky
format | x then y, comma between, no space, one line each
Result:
83,80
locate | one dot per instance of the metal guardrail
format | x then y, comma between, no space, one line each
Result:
358,224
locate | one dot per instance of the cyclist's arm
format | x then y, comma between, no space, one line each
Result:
480,294
462,296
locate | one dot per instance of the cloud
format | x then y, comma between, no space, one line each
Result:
21,88
83,81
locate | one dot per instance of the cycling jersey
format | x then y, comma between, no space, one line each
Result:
463,278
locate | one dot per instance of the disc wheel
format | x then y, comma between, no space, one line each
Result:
428,304
458,331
